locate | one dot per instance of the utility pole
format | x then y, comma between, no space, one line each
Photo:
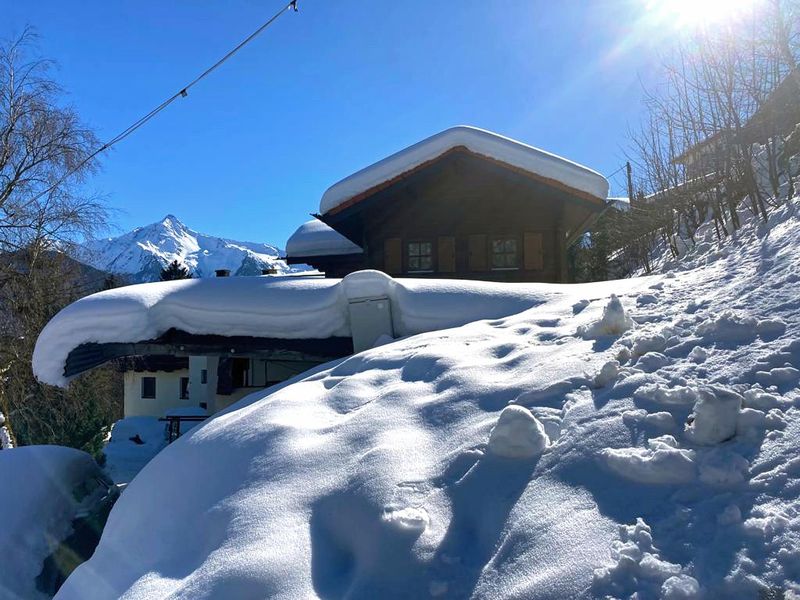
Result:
630,181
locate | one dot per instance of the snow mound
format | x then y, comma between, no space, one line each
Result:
37,507
518,434
614,321
134,441
476,140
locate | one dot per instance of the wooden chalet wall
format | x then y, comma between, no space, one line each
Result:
461,204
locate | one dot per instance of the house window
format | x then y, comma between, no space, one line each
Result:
149,387
203,376
505,254
184,388
420,256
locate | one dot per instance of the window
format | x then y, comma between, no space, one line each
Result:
203,376
184,388
504,253
420,256
149,387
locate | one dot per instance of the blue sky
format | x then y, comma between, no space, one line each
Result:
331,89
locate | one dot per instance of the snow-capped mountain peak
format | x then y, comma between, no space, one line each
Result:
144,251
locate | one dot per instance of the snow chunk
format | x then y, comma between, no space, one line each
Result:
680,587
662,420
771,328
518,434
661,463
778,376
315,238
608,373
698,354
715,415
613,322
637,565
662,395
476,140
731,515
649,343
722,468
645,299
729,327
652,361
757,398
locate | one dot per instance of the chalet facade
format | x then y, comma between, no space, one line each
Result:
465,203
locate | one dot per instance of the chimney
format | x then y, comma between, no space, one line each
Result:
222,272
271,271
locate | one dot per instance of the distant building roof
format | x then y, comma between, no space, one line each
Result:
545,166
621,203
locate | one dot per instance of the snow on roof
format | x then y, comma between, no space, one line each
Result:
479,141
621,203
315,238
274,307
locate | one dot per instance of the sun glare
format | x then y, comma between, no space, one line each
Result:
699,13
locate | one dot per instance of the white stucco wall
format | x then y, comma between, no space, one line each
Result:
168,393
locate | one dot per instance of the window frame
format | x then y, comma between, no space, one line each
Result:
516,253
142,387
408,255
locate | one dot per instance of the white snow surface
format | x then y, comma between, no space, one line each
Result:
371,477
479,141
125,457
315,238
143,252
36,510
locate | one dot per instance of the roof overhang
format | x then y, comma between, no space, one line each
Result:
180,343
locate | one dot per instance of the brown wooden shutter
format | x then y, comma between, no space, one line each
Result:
446,246
392,256
534,253
477,252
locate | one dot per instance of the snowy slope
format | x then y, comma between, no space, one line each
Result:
669,468
143,252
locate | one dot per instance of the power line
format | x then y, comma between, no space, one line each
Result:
184,91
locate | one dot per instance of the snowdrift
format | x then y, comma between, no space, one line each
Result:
587,447
37,506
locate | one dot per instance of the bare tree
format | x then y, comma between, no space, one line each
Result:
711,146
46,155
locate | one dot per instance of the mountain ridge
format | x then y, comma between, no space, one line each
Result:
141,253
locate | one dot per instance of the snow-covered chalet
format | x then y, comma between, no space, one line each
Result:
465,203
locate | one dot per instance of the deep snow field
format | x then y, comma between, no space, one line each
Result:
587,447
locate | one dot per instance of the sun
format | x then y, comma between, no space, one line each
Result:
699,13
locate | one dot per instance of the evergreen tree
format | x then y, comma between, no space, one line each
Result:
175,270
